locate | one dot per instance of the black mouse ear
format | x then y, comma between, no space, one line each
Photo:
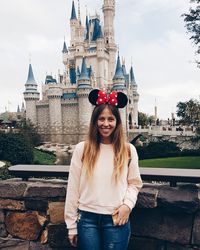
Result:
121,99
93,96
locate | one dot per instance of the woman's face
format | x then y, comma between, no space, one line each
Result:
106,124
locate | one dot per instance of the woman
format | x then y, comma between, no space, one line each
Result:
104,180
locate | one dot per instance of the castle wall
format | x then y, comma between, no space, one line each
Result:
70,122
43,121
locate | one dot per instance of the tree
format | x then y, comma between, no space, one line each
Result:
142,119
189,112
192,20
29,132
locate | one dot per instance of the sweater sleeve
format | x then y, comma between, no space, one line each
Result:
72,195
133,179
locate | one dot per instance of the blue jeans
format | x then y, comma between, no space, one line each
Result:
97,232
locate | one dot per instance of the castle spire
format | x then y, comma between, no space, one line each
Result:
30,78
73,12
87,27
84,72
64,50
118,72
132,77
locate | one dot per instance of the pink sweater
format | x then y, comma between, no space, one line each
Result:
100,195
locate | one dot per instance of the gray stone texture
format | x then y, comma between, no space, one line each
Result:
36,204
3,232
164,226
147,198
57,236
137,243
182,198
45,190
196,230
13,244
12,189
2,216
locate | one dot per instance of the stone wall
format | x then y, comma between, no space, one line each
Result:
31,216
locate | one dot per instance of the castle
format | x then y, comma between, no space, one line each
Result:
63,113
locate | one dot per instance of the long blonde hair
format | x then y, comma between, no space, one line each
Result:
92,144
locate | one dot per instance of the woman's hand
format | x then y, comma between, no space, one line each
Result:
123,214
73,239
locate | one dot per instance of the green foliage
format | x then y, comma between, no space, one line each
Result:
4,174
43,158
29,132
173,162
193,25
15,149
144,119
189,112
158,150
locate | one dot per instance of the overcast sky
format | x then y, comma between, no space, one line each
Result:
152,32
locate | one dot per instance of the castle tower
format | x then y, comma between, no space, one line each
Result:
31,96
119,85
85,108
73,25
109,35
54,95
134,100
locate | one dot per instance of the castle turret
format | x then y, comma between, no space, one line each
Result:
135,98
74,23
118,79
85,109
54,95
109,35
119,85
109,14
31,96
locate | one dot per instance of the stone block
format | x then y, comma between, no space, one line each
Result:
179,199
11,204
137,243
3,232
56,212
36,204
196,230
13,244
57,236
147,198
25,226
45,190
12,189
38,246
155,223
179,247
2,216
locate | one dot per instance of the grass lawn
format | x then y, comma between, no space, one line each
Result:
172,162
43,158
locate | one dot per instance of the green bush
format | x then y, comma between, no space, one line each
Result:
158,150
15,149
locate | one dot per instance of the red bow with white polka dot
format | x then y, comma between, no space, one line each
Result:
104,98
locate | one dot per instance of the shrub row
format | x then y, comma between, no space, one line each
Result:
15,149
163,149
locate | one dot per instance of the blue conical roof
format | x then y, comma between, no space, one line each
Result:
18,109
132,77
30,78
87,28
64,50
118,72
84,72
73,12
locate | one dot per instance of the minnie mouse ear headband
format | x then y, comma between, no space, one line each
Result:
116,99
